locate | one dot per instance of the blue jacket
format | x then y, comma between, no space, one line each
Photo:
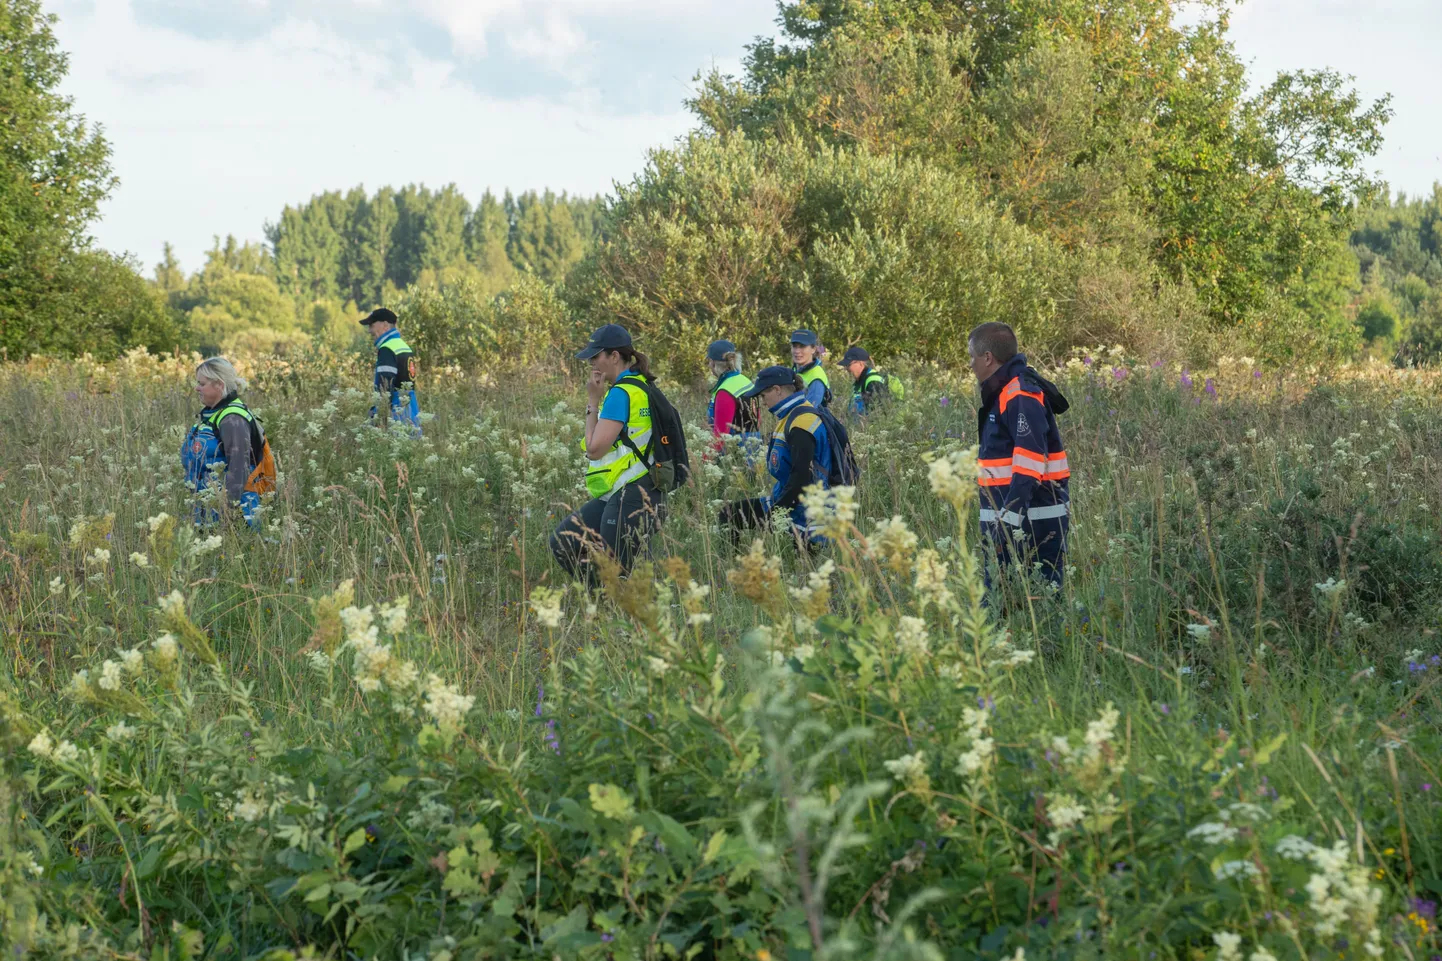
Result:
796,413
1023,464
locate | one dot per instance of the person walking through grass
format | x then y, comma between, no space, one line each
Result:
227,440
1024,500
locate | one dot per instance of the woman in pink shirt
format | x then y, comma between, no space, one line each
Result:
727,413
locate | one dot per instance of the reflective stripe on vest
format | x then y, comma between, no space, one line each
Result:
397,344
620,465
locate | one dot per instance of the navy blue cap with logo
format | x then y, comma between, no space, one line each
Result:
806,338
380,315
852,355
719,349
771,377
607,337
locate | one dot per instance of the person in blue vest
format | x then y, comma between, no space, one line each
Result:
870,388
395,376
626,507
798,455
227,442
727,413
806,353
1025,501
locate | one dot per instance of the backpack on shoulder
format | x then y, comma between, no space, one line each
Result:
845,471
665,454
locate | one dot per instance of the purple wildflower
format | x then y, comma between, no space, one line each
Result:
1257,374
1087,361
1120,373
540,698
552,742
1427,909
1166,709
1156,363
608,937
1211,388
945,401
1186,379
1426,786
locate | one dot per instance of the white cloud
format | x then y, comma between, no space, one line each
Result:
216,136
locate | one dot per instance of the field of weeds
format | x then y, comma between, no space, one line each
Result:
382,726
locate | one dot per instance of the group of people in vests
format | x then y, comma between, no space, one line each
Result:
635,443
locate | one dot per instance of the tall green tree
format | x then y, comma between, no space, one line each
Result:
54,171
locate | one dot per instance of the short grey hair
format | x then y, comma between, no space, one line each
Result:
732,361
220,369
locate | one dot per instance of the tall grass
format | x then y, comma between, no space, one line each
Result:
726,756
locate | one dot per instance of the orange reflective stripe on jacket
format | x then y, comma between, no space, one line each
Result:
1056,467
1013,390
995,472
1028,462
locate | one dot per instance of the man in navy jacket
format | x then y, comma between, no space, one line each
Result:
1024,498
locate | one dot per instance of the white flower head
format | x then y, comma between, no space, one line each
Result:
166,649
446,703
139,559
393,615
98,557
41,745
173,604
57,585
119,732
1228,946
109,676
908,769
658,666
911,637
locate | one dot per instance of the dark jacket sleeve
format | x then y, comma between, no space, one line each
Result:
235,437
803,453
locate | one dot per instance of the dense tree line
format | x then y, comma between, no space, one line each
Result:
340,254
1398,245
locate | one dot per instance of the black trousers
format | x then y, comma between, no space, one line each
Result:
738,517
621,526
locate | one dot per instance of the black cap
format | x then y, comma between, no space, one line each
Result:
771,377
854,354
807,338
608,337
719,349
381,315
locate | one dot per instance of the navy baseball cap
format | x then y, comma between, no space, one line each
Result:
807,338
380,315
719,349
771,377
852,355
608,337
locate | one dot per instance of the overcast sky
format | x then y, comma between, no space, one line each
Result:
221,112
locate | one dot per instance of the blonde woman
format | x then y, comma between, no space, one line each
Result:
227,440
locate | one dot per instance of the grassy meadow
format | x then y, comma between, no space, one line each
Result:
383,726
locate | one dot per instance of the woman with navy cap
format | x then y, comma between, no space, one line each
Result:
626,506
727,412
806,352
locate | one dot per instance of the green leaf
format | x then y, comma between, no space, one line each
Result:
610,801
356,839
713,847
1265,753
149,864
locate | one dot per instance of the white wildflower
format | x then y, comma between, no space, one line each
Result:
804,652
978,759
1102,730
1210,832
132,660
80,685
57,585
173,604
1228,946
1261,953
911,637
139,559
953,476
109,676
202,547
1065,813
66,752
908,769
446,703
1228,870
1200,632
156,521
98,557
1330,587
393,615
248,807
320,661
41,745
546,603
166,649
658,666
120,732
1295,848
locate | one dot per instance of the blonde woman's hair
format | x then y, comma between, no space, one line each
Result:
732,361
220,369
